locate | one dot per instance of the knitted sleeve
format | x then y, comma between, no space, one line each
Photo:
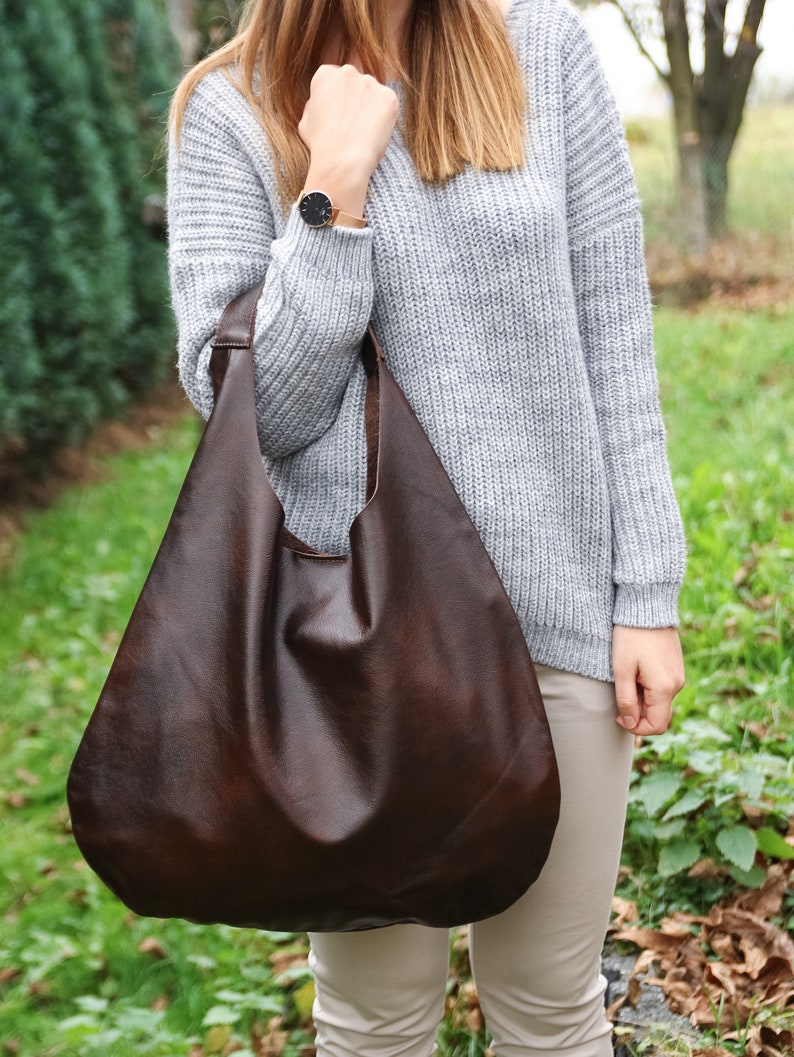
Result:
318,291
614,313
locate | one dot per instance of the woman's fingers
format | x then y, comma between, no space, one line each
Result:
627,697
649,671
349,117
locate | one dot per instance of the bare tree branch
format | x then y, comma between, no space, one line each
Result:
714,53
676,37
742,64
752,20
665,76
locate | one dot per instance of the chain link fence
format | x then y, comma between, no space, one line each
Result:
754,262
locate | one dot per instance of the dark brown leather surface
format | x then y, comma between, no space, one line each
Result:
299,741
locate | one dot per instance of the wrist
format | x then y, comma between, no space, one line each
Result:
344,183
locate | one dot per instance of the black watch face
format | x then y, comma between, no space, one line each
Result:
316,209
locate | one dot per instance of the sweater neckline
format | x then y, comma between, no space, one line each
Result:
512,12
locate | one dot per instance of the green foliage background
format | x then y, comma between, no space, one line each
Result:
85,321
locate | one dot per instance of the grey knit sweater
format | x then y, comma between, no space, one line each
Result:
513,310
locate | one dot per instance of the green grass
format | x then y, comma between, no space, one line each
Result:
82,986
727,382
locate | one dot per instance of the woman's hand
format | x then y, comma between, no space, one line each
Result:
649,671
347,123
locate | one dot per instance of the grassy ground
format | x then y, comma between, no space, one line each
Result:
79,975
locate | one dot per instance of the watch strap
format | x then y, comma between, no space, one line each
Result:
340,219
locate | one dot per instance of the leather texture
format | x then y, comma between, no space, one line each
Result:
294,740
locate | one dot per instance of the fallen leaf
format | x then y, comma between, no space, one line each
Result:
614,1008
767,900
273,1042
468,993
760,730
474,1020
764,1041
304,1000
707,868
752,969
625,911
634,990
753,813
740,576
461,941
648,938
288,959
27,777
217,1037
152,946
644,960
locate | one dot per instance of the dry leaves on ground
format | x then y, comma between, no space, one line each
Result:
725,966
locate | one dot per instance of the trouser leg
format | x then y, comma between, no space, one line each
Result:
537,966
379,993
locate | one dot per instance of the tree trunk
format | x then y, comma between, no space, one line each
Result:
712,98
692,195
707,108
715,175
182,18
691,172
721,97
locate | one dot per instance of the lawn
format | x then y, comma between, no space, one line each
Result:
79,975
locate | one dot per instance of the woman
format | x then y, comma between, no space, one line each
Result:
493,238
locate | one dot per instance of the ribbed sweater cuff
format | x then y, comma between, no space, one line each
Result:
344,254
646,605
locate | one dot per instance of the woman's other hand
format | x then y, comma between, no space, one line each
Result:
347,123
648,666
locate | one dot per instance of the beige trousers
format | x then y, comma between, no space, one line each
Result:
537,965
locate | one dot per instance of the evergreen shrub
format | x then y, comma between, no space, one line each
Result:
85,322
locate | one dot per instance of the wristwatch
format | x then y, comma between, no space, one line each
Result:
318,211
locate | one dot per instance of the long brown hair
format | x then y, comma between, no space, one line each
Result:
465,95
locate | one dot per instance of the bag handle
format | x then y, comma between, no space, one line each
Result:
235,331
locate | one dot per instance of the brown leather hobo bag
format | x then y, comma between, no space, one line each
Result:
294,740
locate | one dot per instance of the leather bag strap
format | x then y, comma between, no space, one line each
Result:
235,331
236,327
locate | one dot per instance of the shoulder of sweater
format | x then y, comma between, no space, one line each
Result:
218,108
555,16
560,57
551,25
